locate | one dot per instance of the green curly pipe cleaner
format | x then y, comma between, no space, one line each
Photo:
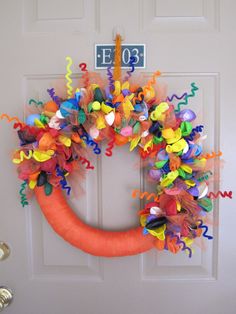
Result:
205,176
37,103
24,201
185,102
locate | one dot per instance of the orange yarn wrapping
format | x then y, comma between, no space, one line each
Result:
141,195
117,68
89,239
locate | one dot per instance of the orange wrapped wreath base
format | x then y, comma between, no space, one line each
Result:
91,240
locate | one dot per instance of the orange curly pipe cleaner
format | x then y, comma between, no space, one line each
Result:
141,195
10,119
212,155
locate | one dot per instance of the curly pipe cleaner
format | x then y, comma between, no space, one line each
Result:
85,77
176,96
23,156
212,155
180,242
141,195
68,77
185,102
202,226
131,64
87,162
9,118
110,79
37,103
90,142
63,181
23,198
205,176
196,130
110,147
55,98
147,88
224,194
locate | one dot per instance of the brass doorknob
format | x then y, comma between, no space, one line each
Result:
6,297
4,251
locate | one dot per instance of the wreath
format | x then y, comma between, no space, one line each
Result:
56,138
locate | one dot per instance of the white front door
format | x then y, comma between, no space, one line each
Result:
189,41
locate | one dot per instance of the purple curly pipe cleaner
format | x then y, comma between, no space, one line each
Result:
110,78
185,247
55,98
176,96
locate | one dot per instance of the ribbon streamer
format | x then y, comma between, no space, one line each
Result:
202,226
23,198
87,162
185,102
224,194
68,77
141,195
180,242
63,181
55,98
